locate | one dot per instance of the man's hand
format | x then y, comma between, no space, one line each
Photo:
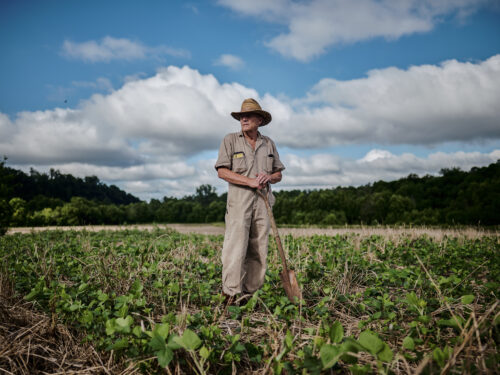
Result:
259,182
254,183
263,179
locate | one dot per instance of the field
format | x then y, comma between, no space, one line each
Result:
149,301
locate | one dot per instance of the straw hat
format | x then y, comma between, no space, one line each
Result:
251,106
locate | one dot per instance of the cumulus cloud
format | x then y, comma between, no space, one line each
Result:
230,61
109,48
60,135
426,105
327,170
166,170
152,129
315,25
177,112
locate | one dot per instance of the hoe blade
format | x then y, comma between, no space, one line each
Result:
291,286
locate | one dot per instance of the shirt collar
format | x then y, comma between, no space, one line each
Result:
258,134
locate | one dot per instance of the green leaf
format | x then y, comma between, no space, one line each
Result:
352,346
136,287
329,355
122,325
165,356
122,311
336,332
204,352
174,287
238,348
424,319
453,322
162,330
447,351
102,297
172,342
137,331
288,339
408,343
110,327
87,317
467,299
157,342
189,340
439,357
385,355
31,295
371,342
120,344
254,352
360,370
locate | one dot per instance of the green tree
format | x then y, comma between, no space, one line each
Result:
6,178
399,209
18,207
205,194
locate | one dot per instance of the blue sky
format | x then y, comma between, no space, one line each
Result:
139,93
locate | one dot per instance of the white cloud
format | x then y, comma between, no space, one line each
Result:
109,48
327,171
231,61
61,135
315,25
376,154
424,105
6,128
153,130
166,170
177,112
182,112
270,10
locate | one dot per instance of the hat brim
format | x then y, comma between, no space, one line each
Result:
266,116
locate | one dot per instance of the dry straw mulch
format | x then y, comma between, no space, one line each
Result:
32,342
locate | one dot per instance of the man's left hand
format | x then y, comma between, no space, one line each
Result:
263,179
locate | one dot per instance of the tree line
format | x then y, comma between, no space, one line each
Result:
455,197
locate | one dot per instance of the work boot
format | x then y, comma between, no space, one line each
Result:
243,300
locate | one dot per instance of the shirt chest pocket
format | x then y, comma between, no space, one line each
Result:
268,165
239,162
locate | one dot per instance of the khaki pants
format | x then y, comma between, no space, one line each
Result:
245,245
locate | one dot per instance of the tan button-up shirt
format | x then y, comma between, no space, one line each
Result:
236,154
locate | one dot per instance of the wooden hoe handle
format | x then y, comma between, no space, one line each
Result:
275,230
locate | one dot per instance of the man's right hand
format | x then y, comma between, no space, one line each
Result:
254,183
234,178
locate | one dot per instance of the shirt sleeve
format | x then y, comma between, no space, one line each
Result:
277,164
225,154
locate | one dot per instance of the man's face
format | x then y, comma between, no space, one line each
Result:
250,122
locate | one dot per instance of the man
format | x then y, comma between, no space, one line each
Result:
247,161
